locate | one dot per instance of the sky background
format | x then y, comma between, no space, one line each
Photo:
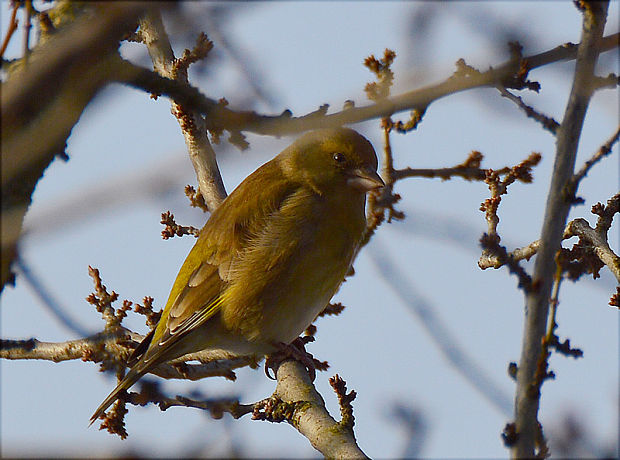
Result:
128,165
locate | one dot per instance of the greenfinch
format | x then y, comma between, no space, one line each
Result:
270,257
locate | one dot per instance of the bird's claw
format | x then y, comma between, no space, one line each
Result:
295,350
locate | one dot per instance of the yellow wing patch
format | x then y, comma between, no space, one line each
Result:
197,319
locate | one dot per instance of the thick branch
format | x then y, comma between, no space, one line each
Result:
220,117
192,123
295,401
43,100
556,212
311,419
91,348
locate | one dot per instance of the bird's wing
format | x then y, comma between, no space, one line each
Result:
199,291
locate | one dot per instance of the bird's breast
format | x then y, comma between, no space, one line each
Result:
294,267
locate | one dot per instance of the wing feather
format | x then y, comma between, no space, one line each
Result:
199,291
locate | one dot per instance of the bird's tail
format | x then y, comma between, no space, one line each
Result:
132,377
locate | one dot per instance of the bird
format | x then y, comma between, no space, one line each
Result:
269,258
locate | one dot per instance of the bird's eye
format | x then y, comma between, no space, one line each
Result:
339,157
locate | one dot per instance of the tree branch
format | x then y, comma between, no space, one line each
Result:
220,117
192,123
602,152
311,418
581,228
295,401
597,238
101,346
556,212
43,100
546,122
12,27
492,260
488,260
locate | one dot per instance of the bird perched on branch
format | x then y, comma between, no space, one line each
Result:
270,257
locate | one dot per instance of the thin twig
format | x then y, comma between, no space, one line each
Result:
344,401
12,27
491,260
215,406
595,237
602,152
469,170
547,122
581,228
28,11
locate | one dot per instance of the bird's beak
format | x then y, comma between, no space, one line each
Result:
365,180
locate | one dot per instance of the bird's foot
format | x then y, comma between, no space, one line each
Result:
295,350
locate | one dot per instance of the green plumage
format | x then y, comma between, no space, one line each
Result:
270,257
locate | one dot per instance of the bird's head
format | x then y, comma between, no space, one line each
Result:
329,159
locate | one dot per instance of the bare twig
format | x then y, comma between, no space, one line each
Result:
344,401
149,392
28,12
556,212
489,259
491,248
610,81
469,170
602,152
607,213
12,27
598,241
490,241
383,199
595,238
196,200
547,122
173,229
112,346
442,173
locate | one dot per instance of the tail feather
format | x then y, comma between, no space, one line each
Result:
145,358
132,377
